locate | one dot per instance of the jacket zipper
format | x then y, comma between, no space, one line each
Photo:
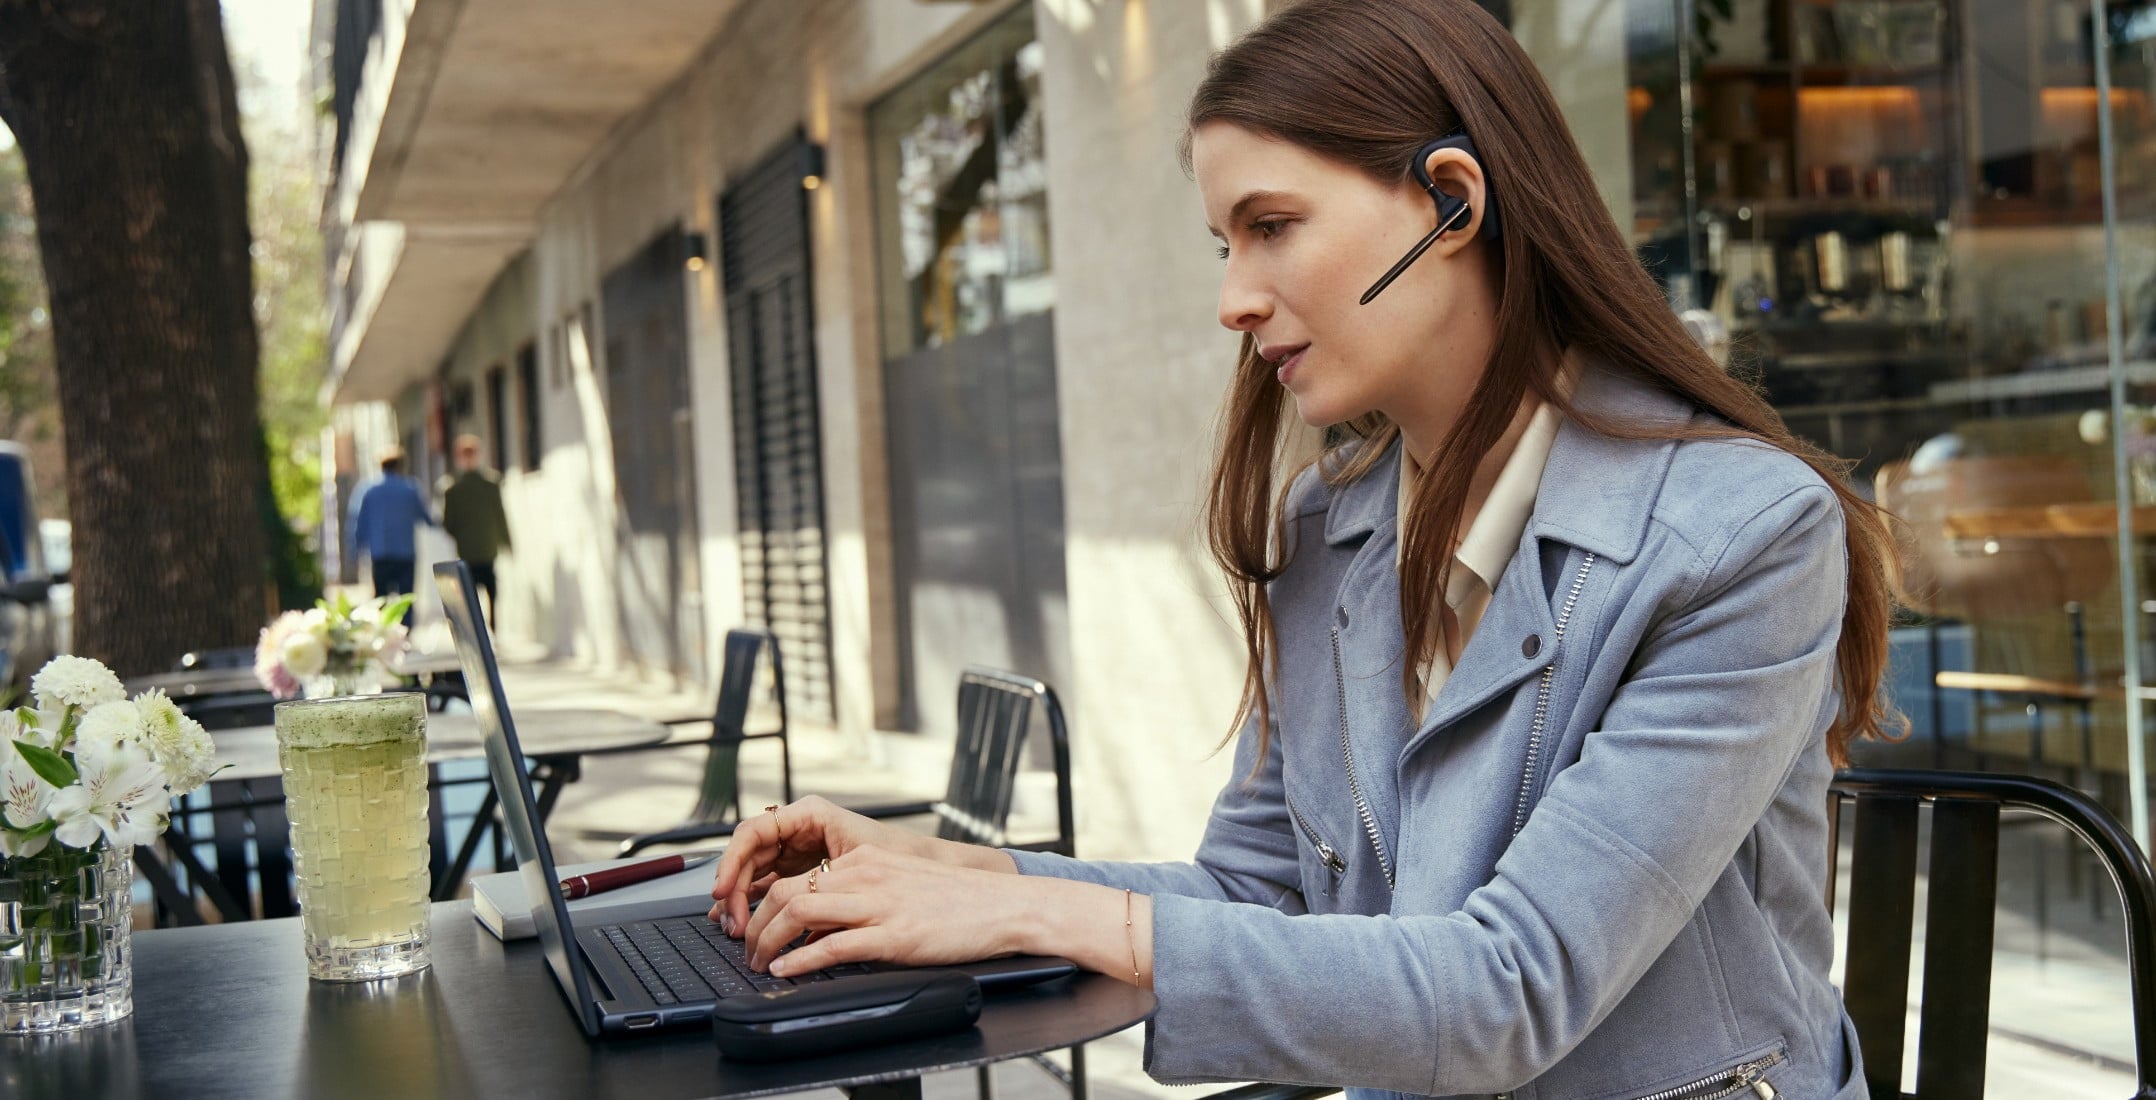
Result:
1751,1075
1347,756
1542,698
1325,851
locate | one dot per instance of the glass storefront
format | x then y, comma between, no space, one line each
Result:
963,219
1896,211
1926,230
966,292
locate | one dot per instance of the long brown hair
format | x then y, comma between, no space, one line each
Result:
1366,84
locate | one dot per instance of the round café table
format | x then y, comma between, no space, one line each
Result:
546,733
554,739
200,683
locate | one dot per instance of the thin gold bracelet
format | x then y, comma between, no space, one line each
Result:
1131,937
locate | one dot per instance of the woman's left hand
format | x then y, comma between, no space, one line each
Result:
874,904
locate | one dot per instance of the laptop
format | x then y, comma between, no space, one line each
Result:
641,974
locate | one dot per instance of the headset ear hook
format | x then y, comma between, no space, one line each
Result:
1452,211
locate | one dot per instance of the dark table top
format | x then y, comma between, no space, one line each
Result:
227,1011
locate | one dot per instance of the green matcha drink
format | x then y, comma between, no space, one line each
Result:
355,785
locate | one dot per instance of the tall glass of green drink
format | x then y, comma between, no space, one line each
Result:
355,784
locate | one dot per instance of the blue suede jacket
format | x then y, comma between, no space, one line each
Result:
1595,867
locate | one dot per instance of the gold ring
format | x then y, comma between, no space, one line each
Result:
812,878
772,810
824,865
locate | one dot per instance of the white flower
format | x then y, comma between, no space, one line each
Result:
121,798
13,846
24,794
178,743
305,654
75,682
158,712
108,726
189,766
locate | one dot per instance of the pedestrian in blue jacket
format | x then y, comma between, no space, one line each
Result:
385,517
1549,661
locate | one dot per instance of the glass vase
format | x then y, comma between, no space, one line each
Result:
337,680
65,961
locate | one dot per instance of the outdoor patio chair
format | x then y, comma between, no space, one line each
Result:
249,834
995,712
1962,895
718,793
995,715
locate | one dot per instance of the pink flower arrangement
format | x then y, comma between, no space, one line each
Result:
341,640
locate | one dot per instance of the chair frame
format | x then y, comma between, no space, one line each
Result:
1963,886
960,823
1963,868
729,721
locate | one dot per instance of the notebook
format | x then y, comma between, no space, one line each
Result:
500,903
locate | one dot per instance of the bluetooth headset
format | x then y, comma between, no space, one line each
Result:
1452,212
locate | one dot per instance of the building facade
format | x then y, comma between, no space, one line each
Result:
891,324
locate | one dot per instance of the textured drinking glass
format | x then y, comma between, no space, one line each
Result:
355,787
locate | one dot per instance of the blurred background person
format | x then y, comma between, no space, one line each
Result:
383,519
472,514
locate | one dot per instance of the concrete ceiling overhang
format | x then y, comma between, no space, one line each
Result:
494,105
437,280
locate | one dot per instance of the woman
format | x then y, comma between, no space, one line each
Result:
1548,665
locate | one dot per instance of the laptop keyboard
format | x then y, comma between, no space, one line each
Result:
684,960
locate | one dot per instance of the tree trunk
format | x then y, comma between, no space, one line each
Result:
129,128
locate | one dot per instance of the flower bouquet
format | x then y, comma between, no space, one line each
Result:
338,648
85,776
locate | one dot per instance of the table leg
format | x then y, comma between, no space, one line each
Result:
906,1089
183,853
167,889
559,771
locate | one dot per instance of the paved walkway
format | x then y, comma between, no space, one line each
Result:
2060,1012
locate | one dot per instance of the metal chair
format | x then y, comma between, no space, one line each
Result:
1963,885
995,711
1963,888
995,715
718,793
243,813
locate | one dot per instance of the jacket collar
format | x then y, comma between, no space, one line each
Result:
1596,494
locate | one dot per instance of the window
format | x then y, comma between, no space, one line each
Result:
528,401
497,414
962,192
558,356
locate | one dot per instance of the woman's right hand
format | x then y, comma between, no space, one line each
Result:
793,838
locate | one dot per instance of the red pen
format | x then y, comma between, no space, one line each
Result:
614,878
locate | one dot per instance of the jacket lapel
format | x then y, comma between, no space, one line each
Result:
1596,495
1499,655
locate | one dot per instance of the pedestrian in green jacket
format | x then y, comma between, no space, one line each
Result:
472,514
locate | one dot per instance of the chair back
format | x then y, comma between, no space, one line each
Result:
252,838
1963,889
231,711
718,794
995,713
228,657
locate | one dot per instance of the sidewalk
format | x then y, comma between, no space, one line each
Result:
2061,1019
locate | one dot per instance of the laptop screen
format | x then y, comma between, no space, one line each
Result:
513,787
